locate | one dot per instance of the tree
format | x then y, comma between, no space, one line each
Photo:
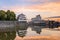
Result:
2,15
9,15
12,14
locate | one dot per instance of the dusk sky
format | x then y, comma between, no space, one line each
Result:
30,8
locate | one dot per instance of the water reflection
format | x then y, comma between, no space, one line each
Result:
37,29
22,33
7,35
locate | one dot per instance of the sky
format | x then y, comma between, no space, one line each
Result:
31,8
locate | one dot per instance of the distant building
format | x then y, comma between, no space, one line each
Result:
38,17
38,21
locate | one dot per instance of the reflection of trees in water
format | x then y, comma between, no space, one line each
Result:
37,29
7,35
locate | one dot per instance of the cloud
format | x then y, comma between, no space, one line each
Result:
47,7
44,7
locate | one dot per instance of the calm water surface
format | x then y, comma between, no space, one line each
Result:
36,31
43,32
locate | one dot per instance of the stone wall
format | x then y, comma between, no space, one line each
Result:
9,26
6,26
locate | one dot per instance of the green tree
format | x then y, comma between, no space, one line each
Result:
2,15
10,15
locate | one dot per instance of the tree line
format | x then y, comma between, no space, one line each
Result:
7,15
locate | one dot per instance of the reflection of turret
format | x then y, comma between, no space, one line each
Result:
37,29
38,32
22,33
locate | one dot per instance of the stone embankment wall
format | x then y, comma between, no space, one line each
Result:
9,26
6,26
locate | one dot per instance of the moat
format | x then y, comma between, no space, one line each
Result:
32,32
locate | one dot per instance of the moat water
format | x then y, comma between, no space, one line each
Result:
43,32
36,31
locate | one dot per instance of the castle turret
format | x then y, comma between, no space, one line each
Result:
21,17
